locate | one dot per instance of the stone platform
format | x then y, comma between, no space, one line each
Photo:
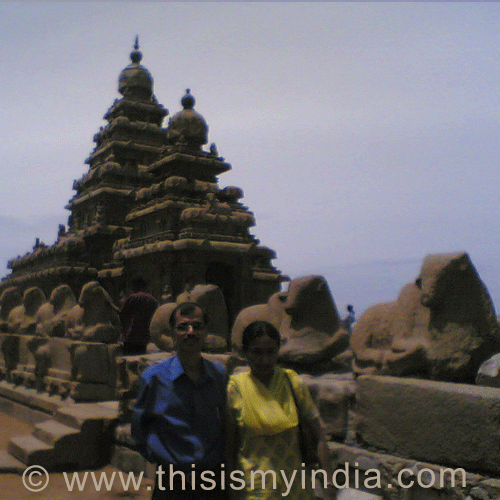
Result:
66,435
417,428
83,371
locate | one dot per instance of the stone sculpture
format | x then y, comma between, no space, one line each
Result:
50,318
442,327
22,319
212,301
50,322
307,319
489,372
95,317
9,299
392,337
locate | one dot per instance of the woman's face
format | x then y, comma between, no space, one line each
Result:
262,356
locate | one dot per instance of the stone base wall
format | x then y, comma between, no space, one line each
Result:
450,424
84,371
397,438
403,428
403,478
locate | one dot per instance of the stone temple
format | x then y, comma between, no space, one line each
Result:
150,205
410,399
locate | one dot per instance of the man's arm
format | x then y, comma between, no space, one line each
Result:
140,418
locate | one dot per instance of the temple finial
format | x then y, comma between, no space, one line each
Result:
136,55
188,100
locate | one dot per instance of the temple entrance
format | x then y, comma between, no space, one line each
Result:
222,275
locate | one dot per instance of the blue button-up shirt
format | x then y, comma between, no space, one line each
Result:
178,421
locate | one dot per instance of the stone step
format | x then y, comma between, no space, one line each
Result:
76,437
9,464
52,432
31,451
78,414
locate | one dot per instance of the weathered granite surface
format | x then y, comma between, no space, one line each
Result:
307,319
449,424
442,327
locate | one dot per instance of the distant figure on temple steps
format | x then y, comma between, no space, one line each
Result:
135,317
350,319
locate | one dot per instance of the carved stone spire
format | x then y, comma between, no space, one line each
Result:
136,55
187,126
135,81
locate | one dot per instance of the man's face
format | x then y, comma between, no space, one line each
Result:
189,332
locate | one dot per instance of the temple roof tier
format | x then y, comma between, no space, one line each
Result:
64,246
151,112
230,194
128,148
84,197
184,244
114,175
156,206
175,184
103,229
63,273
124,129
204,168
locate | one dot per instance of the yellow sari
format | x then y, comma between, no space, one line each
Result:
268,435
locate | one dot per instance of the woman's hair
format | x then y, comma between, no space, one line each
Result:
259,329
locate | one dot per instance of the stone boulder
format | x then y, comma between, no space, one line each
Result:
305,316
212,300
441,327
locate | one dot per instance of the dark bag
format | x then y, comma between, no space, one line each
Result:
308,443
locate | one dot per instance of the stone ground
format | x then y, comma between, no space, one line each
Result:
11,485
12,488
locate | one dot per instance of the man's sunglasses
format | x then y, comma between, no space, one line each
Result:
195,325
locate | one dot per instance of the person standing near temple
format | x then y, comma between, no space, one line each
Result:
135,316
178,419
350,319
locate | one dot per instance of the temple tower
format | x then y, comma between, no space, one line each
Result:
131,140
186,230
150,205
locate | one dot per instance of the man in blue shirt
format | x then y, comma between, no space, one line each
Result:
177,421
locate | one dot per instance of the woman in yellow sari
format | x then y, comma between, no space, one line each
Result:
264,407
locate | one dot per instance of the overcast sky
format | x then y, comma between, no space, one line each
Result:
364,135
